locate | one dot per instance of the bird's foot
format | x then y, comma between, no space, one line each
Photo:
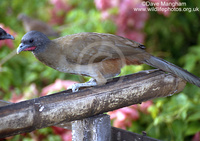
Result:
149,71
75,87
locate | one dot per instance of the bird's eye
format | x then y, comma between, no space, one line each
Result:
31,40
3,33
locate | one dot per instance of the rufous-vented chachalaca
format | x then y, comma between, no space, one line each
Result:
4,35
97,55
34,24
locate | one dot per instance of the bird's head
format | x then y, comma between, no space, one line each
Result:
4,35
21,17
34,41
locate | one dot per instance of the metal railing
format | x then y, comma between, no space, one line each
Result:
84,108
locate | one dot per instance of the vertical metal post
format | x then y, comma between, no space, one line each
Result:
96,128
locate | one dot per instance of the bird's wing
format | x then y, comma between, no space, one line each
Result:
86,48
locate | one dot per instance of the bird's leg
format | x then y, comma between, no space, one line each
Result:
75,87
97,79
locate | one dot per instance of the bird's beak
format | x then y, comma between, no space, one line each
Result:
21,47
8,36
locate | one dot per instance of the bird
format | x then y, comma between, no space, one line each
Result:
34,24
98,55
4,35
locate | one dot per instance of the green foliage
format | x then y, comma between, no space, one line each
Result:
90,19
178,115
176,38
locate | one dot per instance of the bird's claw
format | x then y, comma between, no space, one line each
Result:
74,88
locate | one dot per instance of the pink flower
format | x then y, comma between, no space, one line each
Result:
102,4
144,106
57,86
65,134
123,117
16,98
129,22
129,17
59,4
59,11
196,137
29,93
106,4
165,13
138,36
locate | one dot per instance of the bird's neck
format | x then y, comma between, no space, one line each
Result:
48,54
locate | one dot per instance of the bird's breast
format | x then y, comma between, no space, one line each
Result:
55,61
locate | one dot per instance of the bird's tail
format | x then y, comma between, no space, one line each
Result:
169,67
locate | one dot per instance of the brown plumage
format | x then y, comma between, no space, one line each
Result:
98,55
34,24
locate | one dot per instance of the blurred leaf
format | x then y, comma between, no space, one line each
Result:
193,128
90,20
177,131
194,117
154,113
